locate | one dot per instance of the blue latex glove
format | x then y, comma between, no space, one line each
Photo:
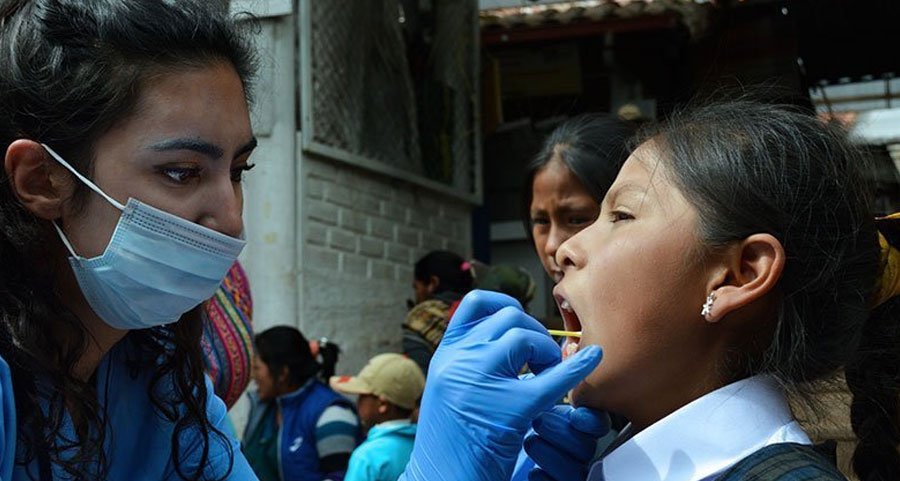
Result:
563,443
476,410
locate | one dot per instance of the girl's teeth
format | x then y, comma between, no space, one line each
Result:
564,305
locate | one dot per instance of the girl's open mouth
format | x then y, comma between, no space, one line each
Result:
571,323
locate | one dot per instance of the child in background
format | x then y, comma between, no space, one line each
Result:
511,280
388,388
440,280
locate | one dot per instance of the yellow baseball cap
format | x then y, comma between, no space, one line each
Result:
394,377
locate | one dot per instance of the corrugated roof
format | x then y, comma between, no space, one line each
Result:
692,13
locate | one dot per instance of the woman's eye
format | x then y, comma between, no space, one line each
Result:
618,216
180,175
237,173
539,221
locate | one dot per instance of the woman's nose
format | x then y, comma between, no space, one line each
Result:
224,213
554,239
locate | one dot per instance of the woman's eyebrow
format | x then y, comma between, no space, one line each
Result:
192,144
201,146
570,207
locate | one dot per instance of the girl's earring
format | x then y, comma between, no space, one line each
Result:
707,306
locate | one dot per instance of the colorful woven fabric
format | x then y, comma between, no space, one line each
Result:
429,320
228,335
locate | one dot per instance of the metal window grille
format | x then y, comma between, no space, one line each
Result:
362,101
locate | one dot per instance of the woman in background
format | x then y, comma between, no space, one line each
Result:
569,177
440,280
299,429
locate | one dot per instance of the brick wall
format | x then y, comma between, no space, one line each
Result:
362,234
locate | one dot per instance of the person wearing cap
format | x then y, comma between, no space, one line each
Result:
299,429
388,388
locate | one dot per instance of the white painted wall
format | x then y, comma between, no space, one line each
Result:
330,246
270,191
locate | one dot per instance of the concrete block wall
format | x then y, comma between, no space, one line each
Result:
362,233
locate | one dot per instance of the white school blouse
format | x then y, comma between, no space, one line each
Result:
701,440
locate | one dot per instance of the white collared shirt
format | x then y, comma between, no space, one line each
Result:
701,440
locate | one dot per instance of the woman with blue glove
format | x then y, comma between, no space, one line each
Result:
125,132
771,275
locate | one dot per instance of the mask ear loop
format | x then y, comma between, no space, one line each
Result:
65,240
87,182
83,178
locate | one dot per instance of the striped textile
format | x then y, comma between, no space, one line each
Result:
336,431
228,335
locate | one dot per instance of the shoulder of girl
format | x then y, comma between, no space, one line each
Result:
784,462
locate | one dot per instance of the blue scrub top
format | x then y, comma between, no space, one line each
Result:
139,440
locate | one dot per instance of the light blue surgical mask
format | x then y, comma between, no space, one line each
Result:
156,267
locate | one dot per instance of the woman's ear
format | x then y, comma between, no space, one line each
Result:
36,182
433,283
752,269
283,376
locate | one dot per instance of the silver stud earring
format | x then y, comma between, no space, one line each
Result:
707,306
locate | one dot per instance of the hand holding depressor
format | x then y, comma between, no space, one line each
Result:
475,410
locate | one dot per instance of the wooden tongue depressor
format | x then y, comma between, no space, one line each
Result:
558,333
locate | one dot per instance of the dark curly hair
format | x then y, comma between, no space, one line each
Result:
750,167
72,69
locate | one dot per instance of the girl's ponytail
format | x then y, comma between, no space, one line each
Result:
327,354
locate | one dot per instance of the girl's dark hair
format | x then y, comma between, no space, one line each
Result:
592,146
450,269
285,347
329,353
73,69
749,167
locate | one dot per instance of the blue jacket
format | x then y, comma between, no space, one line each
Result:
384,454
298,459
138,440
